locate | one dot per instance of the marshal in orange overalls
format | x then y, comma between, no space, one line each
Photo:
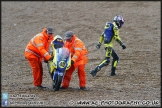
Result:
36,50
80,57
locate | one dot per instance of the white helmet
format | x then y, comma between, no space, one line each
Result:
58,41
57,36
119,20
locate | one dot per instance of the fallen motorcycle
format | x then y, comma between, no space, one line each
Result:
58,66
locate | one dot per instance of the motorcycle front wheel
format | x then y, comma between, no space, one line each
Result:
57,84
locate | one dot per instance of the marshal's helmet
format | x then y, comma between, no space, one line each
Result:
50,30
118,19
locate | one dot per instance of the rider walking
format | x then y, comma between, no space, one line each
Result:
110,33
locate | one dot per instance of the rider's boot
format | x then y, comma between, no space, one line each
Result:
94,72
113,71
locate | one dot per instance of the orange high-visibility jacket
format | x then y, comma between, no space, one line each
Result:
79,53
39,45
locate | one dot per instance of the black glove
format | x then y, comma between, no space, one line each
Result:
123,46
72,62
51,58
45,61
98,45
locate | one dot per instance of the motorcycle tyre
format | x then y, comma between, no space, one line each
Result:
58,81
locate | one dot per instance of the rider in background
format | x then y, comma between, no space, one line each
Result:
110,33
